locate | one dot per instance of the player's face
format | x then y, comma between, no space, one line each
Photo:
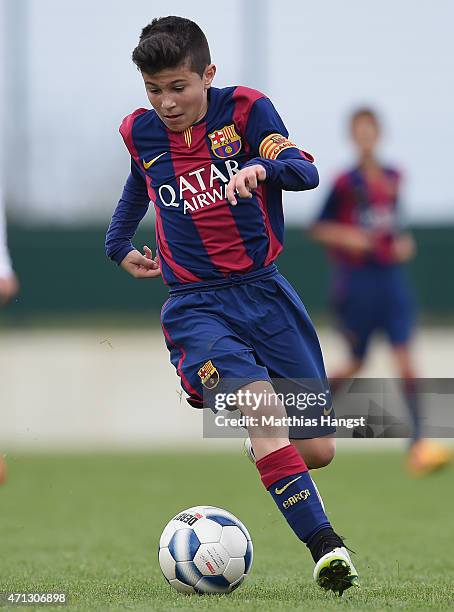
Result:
178,95
365,135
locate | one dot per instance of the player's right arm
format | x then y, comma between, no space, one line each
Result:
130,210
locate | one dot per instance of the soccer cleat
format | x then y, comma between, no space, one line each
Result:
336,572
425,457
248,450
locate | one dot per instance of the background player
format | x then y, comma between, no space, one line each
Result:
359,224
214,163
8,281
8,287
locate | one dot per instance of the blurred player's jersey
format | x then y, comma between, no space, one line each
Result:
368,203
200,237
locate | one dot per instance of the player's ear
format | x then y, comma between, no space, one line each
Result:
208,75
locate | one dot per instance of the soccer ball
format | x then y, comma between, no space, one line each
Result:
205,550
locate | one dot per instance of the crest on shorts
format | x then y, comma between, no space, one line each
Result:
209,375
225,142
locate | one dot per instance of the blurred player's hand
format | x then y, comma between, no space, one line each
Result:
355,240
9,286
141,266
404,248
245,182
358,240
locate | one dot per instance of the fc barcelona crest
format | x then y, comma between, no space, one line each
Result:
225,142
209,375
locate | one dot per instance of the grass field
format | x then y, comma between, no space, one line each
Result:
89,525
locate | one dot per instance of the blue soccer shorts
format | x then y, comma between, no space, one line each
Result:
251,327
373,299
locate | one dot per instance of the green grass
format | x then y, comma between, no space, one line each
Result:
89,525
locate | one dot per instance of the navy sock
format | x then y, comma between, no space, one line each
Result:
286,477
412,401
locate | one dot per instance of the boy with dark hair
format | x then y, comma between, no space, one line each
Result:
214,163
359,224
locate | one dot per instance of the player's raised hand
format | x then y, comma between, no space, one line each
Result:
141,266
245,182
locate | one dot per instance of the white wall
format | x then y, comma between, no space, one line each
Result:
321,58
99,389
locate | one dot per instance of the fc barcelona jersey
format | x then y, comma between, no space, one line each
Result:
368,203
200,236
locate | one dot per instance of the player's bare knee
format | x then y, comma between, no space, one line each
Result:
317,453
324,455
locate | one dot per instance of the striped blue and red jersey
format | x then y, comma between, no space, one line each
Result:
371,203
200,237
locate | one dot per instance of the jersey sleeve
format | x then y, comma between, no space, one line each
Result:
126,131
267,135
287,166
134,200
129,212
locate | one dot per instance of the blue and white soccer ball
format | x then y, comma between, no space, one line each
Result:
205,550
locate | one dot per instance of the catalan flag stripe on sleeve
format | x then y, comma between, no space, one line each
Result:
274,144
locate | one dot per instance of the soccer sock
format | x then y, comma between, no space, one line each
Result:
412,401
285,475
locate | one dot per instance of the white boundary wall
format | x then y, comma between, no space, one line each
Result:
114,389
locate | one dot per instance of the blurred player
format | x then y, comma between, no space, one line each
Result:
359,224
214,162
8,281
8,288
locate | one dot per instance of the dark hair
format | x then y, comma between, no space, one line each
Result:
365,113
168,42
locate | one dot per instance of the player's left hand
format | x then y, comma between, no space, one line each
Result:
245,182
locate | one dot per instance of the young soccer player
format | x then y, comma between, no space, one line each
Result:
359,224
214,163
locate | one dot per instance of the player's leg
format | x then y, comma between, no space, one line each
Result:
407,374
354,304
316,452
288,345
350,368
286,477
424,456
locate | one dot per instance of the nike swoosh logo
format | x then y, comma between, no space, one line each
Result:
327,412
147,165
279,491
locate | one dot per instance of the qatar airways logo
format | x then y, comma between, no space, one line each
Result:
199,188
